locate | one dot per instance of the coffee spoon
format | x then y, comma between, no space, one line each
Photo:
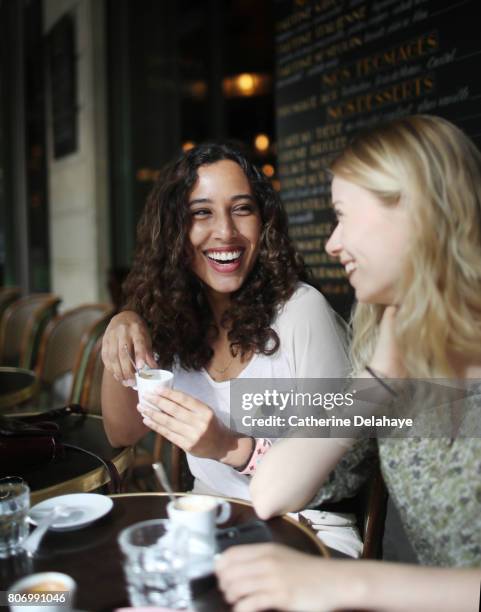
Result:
134,365
164,481
33,540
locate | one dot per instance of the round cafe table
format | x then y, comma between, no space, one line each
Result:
92,557
17,386
74,470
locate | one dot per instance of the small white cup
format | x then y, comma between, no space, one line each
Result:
149,379
58,594
200,514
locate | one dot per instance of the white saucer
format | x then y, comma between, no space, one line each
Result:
82,508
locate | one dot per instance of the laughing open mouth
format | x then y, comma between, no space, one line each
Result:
225,257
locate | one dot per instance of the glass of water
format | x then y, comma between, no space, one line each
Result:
154,564
14,507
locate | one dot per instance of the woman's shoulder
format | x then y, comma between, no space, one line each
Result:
305,293
308,309
306,301
313,336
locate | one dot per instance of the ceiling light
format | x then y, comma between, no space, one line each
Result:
262,142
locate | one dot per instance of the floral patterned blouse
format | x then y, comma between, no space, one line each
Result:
435,482
436,486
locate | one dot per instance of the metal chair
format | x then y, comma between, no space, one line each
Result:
90,396
174,460
60,347
369,506
372,515
7,296
22,326
88,369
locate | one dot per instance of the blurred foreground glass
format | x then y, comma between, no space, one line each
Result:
155,554
14,507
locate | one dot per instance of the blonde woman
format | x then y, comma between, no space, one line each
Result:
407,196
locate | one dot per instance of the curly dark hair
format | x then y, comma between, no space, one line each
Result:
162,288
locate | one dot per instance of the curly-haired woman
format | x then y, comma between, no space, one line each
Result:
218,292
408,200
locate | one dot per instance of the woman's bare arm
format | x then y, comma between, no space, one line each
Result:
292,471
122,422
126,334
261,576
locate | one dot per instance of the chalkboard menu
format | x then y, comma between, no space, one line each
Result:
343,65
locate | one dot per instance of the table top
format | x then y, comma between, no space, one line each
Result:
75,471
92,557
17,386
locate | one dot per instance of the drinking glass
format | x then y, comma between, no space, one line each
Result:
154,564
14,507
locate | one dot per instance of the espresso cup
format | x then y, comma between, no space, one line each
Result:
149,380
56,591
200,514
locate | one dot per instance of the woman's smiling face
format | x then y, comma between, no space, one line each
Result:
371,240
225,227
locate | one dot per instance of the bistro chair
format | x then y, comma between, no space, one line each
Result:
369,506
175,461
7,296
372,515
90,394
59,350
22,326
88,369
142,477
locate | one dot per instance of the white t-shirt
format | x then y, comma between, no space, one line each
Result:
312,345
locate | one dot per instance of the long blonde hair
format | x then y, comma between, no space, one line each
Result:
437,168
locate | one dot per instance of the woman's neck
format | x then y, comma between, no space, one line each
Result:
471,371
464,368
219,303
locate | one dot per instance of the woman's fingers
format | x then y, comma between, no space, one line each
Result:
124,350
248,578
110,358
167,406
114,351
244,582
126,338
244,561
244,554
142,346
256,602
162,419
183,399
181,434
169,435
203,434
